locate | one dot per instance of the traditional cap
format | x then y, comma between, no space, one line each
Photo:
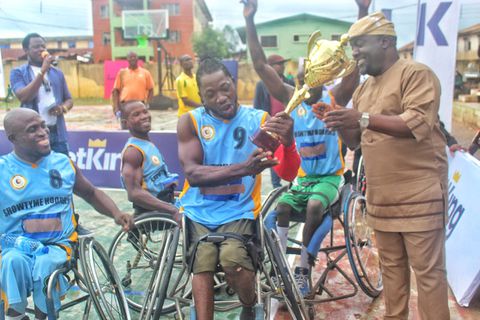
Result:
276,59
373,24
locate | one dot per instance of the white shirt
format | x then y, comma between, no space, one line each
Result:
46,98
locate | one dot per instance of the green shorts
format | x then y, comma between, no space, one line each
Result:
322,188
229,253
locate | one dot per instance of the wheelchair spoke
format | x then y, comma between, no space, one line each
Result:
362,252
135,254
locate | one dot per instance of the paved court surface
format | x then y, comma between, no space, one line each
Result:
358,307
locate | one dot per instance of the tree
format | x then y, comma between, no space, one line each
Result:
211,43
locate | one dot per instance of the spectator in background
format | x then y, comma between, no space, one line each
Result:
41,87
264,101
187,89
132,83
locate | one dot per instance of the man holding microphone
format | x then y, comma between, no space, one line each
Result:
42,87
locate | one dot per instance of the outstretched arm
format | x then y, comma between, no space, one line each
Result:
272,80
100,201
190,153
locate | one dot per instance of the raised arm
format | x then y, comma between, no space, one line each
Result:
100,201
275,85
26,92
190,153
344,90
132,173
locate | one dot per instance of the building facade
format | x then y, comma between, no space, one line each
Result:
185,18
468,50
288,36
64,46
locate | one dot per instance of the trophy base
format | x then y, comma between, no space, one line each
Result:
265,140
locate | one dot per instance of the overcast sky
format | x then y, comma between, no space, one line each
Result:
73,17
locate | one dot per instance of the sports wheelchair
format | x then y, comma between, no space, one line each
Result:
349,211
151,261
96,278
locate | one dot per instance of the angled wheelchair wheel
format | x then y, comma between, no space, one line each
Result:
158,287
361,249
285,282
361,179
102,281
135,255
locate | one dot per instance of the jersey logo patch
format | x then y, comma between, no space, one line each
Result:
155,160
301,111
18,182
55,179
207,132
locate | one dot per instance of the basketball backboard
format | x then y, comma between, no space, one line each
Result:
152,24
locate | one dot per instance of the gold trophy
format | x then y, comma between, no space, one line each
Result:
326,61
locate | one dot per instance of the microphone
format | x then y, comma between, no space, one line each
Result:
45,54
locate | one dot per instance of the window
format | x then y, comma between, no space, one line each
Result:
106,38
465,44
104,11
173,9
174,36
268,41
59,44
300,38
336,37
71,44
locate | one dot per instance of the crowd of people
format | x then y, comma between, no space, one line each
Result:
394,114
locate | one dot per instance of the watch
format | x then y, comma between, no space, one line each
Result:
364,120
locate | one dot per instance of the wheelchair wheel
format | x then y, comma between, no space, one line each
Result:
163,271
102,281
135,255
360,242
361,179
286,284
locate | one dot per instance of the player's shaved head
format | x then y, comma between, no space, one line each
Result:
127,107
16,119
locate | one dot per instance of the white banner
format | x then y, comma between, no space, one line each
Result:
2,78
462,230
436,46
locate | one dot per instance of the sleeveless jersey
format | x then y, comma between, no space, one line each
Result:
320,149
36,199
155,171
224,142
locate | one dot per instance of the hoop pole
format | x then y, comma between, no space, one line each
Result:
159,64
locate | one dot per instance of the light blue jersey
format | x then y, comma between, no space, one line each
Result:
224,143
320,149
36,199
155,171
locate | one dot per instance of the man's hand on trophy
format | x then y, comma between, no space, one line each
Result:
249,8
342,119
260,160
321,108
281,125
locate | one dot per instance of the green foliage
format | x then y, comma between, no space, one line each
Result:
211,43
